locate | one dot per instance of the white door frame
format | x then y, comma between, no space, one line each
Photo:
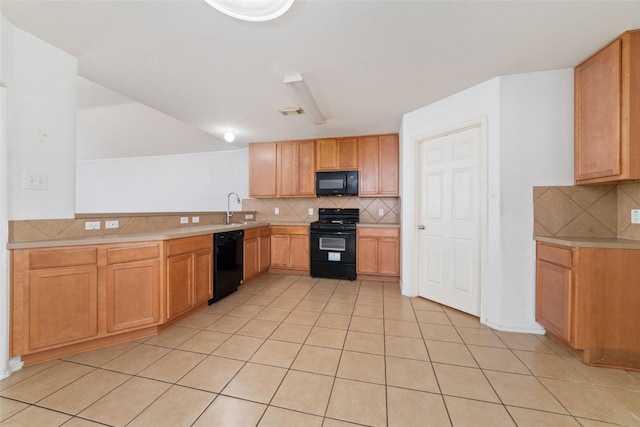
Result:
484,194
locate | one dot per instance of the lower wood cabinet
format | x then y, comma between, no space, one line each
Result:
189,272
290,248
68,295
378,251
587,299
133,291
257,252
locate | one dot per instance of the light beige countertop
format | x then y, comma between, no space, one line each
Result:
590,242
166,234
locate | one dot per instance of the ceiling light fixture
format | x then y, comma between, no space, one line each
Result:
229,137
251,10
308,103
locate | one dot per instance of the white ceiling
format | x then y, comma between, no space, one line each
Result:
365,62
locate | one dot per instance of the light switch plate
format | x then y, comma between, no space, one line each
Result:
380,212
195,219
276,211
310,211
112,224
635,216
184,220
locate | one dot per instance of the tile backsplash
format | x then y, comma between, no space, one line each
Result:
297,209
586,211
291,210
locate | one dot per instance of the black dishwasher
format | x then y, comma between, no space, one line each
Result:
227,264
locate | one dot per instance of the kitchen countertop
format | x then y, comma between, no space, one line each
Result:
166,234
590,242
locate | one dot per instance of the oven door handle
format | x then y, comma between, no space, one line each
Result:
333,233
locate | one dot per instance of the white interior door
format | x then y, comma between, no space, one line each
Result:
450,218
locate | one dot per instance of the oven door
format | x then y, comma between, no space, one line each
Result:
333,246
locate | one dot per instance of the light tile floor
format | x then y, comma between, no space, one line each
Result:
296,351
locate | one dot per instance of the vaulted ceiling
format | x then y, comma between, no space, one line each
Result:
365,62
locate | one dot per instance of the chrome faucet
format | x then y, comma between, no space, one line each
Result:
229,213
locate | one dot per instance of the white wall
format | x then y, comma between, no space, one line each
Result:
37,134
179,183
530,143
41,108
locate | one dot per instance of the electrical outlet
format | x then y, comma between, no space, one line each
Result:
184,220
248,216
92,225
310,211
380,212
276,211
112,224
635,216
195,219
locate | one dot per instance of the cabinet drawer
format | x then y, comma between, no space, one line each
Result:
378,232
132,253
189,244
554,254
289,229
63,258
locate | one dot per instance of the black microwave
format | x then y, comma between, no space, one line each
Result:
337,183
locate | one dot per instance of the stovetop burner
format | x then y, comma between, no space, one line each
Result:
336,219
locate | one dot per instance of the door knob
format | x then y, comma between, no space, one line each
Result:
421,227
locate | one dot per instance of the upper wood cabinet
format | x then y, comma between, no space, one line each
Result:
378,164
262,170
607,105
336,154
282,169
296,163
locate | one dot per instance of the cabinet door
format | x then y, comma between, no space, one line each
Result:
367,255
279,250
597,114
554,303
250,266
389,156
389,256
296,169
262,170
336,154
63,305
203,276
287,169
264,247
327,154
306,169
368,165
179,284
133,286
347,153
299,252
133,295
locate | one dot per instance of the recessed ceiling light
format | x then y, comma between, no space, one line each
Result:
252,10
229,136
